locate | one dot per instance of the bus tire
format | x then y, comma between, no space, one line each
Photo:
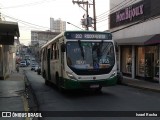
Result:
45,78
58,83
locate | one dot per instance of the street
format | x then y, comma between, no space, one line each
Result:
114,98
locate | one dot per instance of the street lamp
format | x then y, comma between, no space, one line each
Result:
75,25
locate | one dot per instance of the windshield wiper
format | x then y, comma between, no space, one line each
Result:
81,48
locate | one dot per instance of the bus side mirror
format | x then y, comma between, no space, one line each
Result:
63,48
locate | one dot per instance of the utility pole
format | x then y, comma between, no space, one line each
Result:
84,3
94,14
74,25
88,20
87,15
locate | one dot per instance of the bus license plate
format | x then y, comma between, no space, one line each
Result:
94,86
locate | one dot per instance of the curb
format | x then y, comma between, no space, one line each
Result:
140,87
33,105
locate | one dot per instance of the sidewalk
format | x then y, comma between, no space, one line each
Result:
12,92
142,84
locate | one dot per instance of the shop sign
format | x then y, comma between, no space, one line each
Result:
129,13
140,11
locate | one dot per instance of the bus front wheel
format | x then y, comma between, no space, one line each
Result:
58,83
45,78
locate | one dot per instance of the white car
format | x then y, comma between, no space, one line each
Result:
33,66
23,63
36,68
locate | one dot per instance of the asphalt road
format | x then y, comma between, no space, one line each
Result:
115,98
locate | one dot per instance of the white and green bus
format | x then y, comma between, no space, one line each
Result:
80,59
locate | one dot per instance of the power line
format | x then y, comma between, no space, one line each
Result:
110,9
26,23
102,25
26,5
87,22
107,15
117,8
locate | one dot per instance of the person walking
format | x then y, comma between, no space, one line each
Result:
17,68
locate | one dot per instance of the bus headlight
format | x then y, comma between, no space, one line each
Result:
113,74
70,75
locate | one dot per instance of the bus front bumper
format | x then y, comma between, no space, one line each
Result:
78,84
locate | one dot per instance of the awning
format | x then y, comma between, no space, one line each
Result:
8,30
154,40
142,40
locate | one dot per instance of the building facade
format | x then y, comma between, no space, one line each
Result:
41,37
38,39
135,28
57,25
8,32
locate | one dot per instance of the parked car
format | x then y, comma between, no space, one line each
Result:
36,68
33,66
23,63
39,70
28,62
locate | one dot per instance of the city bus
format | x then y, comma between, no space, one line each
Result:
79,60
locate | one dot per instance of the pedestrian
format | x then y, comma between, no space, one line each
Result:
17,68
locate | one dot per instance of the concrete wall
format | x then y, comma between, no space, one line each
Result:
147,28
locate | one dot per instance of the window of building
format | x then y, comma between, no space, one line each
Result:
140,61
126,60
147,62
156,63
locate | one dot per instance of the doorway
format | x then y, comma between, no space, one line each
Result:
149,66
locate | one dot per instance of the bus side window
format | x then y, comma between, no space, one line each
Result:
56,51
52,52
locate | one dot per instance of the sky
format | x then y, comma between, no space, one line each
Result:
36,14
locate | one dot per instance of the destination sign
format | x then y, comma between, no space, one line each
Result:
88,35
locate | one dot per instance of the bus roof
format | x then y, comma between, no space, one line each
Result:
61,34
64,34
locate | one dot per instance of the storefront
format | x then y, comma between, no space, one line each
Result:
146,62
138,59
136,30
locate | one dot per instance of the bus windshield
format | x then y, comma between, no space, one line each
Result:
86,58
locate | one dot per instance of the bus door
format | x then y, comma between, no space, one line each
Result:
62,59
48,64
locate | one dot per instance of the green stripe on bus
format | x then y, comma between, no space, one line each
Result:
73,84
